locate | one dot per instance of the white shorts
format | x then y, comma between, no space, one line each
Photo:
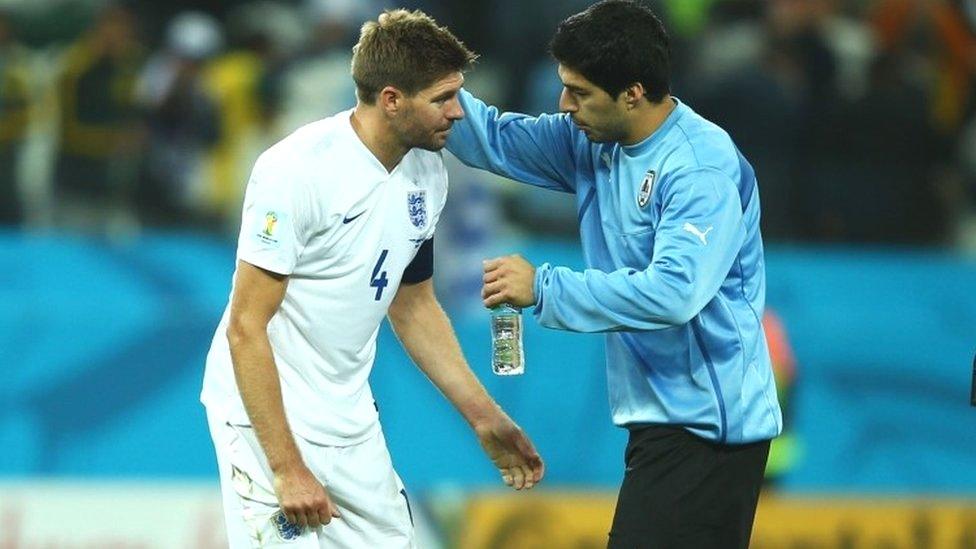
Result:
360,480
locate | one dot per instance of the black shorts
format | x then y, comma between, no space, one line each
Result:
681,491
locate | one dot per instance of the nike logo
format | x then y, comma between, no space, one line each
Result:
697,232
353,218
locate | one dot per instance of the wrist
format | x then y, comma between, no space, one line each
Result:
283,465
480,411
286,469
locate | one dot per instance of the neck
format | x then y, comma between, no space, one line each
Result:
374,131
649,118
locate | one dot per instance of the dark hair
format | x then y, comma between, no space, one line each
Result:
615,43
406,50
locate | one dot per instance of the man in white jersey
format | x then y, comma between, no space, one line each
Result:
337,232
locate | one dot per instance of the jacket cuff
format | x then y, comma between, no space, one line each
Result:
541,273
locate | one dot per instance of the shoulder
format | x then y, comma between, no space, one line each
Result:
701,157
701,144
314,139
302,155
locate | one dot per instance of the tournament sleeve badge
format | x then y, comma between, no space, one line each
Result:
644,194
270,220
270,227
268,230
417,208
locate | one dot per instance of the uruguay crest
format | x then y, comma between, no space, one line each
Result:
417,208
644,194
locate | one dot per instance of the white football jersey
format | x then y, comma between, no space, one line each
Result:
323,210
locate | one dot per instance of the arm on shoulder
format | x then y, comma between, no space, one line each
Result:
540,151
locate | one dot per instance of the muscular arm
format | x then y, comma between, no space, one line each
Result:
426,334
257,295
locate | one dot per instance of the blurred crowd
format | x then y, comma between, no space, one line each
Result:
858,115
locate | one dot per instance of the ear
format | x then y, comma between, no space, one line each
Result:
633,95
390,100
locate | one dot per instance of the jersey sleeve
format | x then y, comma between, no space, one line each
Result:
274,220
698,237
534,150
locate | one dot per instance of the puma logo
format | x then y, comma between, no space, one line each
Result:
697,232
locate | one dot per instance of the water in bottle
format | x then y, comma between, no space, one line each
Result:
507,358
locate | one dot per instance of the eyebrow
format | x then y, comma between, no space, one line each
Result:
573,88
444,95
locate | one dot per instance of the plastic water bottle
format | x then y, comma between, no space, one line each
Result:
507,358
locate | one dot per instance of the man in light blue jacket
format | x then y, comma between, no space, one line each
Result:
669,220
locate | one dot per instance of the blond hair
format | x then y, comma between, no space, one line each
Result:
406,50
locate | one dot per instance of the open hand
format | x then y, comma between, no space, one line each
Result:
511,451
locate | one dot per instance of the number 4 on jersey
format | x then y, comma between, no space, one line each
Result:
379,282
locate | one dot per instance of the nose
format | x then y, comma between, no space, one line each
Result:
566,102
454,110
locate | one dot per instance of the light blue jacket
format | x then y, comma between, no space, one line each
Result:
675,277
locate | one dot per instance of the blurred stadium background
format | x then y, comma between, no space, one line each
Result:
126,134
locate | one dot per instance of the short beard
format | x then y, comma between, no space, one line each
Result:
432,147
605,137
609,133
415,141
413,137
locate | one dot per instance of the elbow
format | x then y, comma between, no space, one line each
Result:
237,333
396,314
234,335
681,310
678,300
679,316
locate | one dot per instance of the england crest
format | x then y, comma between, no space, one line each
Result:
644,194
287,530
417,208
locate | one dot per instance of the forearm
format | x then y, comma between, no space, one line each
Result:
426,334
695,244
624,300
260,388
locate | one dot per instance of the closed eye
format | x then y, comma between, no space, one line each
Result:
577,91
